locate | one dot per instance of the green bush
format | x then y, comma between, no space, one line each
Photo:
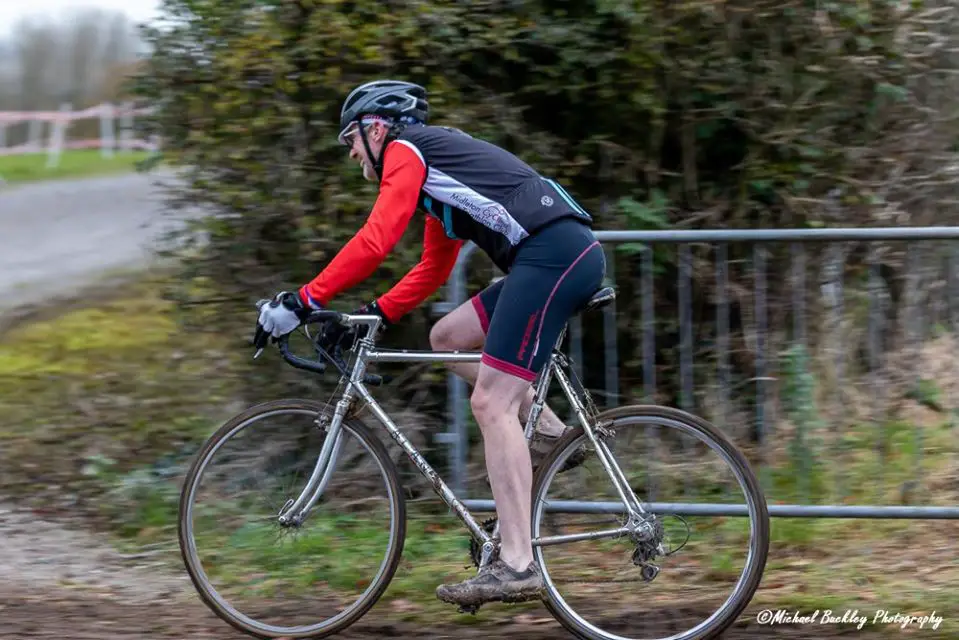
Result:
654,114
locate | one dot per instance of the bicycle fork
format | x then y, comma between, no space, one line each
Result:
294,512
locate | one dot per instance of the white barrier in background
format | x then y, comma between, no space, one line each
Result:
58,122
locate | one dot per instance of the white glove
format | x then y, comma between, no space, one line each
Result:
282,314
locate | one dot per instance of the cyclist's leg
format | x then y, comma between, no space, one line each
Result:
553,275
464,329
495,402
551,278
513,576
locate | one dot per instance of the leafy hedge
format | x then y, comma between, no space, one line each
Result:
678,114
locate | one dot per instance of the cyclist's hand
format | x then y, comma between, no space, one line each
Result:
280,316
370,309
373,309
334,335
337,335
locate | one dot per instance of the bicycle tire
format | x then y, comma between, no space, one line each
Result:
564,614
378,586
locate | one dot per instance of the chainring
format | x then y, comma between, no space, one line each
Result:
476,549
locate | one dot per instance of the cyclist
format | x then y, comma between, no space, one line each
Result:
470,190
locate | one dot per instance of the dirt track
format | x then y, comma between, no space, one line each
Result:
63,582
47,615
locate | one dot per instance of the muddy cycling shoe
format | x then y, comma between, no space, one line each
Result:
496,582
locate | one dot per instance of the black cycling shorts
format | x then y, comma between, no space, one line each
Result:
555,272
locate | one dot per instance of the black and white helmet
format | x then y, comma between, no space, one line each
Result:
392,100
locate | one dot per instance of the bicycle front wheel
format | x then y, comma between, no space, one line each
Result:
271,578
692,572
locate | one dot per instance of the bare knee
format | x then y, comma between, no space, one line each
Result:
486,405
442,336
460,329
496,399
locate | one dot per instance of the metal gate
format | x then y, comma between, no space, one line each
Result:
928,261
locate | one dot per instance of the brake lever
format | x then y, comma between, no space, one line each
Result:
337,357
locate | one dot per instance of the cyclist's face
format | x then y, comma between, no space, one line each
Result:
375,133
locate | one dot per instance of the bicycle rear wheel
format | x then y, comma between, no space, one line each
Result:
270,579
682,584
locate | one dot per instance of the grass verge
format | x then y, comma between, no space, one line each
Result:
73,164
114,385
110,399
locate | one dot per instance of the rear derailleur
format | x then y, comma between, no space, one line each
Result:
648,536
650,545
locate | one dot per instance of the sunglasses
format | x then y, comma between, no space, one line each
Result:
348,135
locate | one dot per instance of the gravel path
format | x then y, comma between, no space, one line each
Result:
40,554
55,236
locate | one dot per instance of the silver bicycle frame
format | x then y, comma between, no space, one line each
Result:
367,353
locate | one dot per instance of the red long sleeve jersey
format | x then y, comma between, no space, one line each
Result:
470,189
404,174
